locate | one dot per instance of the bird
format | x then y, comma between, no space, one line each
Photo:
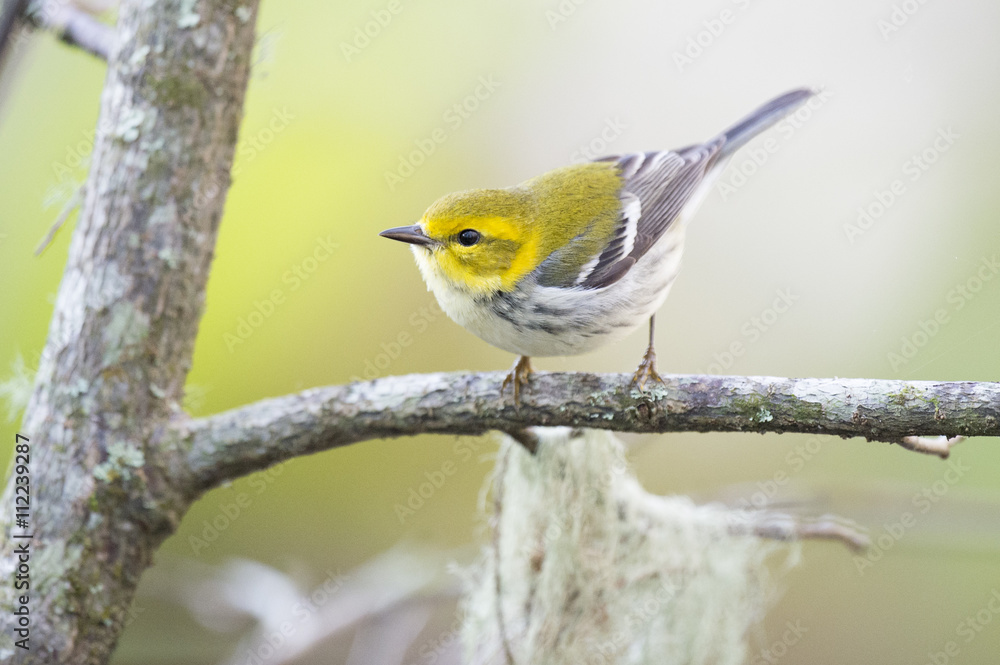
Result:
577,257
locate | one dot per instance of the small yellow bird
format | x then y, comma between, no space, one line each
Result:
577,257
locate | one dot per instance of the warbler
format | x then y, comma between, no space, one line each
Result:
578,257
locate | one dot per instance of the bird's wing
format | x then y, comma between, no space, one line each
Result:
656,185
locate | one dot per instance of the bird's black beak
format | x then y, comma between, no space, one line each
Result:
411,234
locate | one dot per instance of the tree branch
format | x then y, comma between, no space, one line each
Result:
237,442
75,27
119,347
68,22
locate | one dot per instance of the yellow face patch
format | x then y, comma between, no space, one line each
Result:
506,251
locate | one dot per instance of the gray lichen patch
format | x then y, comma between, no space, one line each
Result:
751,407
53,564
906,394
138,58
127,327
188,18
77,387
123,459
651,390
128,127
169,256
113,286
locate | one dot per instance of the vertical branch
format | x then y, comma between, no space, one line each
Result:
122,333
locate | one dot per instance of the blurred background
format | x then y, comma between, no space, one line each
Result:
860,238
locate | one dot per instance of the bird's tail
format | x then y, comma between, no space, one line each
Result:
767,115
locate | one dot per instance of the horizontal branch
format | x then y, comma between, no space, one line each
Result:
67,21
237,442
78,28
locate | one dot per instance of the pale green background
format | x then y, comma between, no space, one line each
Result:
322,175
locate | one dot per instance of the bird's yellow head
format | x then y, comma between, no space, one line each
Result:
486,240
480,241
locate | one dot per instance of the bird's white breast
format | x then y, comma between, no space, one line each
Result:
543,321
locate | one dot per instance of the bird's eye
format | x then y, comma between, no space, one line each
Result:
469,237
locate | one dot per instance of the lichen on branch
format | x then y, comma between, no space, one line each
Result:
230,444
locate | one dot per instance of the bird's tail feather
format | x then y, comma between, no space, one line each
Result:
761,119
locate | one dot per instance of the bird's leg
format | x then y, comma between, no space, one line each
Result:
647,368
520,375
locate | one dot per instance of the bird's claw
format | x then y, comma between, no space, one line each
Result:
519,375
646,370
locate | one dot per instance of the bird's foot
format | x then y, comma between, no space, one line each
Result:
646,370
519,376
